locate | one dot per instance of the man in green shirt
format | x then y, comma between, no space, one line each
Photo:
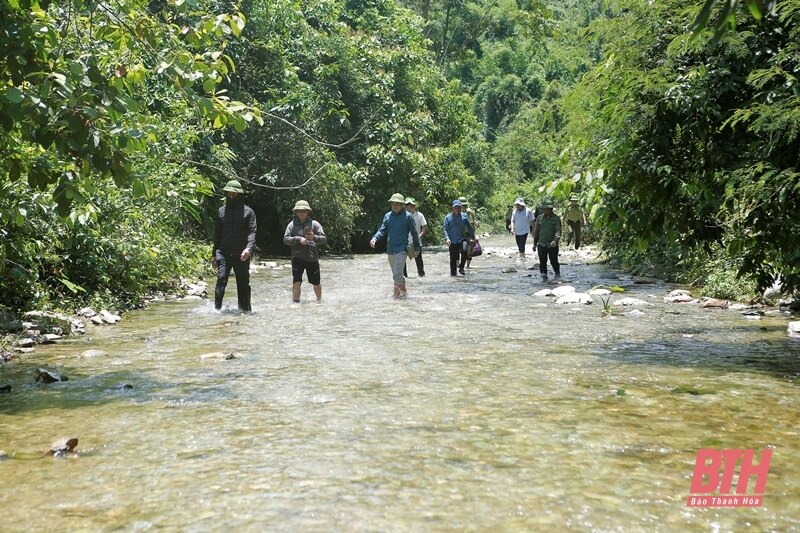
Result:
574,217
547,234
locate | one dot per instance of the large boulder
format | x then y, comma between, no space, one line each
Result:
794,328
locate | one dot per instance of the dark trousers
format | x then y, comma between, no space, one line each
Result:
521,240
552,253
574,229
458,256
225,263
420,266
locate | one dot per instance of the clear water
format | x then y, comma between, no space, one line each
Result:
465,407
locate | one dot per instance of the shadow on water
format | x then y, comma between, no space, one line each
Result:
82,390
780,357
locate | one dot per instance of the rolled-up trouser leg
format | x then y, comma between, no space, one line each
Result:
397,262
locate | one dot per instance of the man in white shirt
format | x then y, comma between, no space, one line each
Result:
422,229
521,223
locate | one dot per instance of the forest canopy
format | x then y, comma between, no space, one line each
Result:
676,124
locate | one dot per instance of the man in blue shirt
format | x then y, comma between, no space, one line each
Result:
457,229
396,226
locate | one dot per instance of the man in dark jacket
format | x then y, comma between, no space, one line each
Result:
234,239
305,236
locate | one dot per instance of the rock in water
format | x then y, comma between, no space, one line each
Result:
630,301
563,290
109,318
644,281
794,328
93,353
62,447
45,376
575,298
509,270
599,292
678,296
634,312
544,292
218,355
708,303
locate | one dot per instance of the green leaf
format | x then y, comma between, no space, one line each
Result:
14,95
71,286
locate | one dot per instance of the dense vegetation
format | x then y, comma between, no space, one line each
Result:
121,120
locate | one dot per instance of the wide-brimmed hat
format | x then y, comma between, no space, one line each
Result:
573,198
463,201
233,186
547,204
397,197
519,201
301,205
411,201
456,203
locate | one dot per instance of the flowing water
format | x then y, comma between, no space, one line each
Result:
468,406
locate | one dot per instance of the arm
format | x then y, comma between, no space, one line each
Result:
288,238
251,236
412,227
558,232
380,233
319,234
217,238
446,233
422,232
469,229
536,232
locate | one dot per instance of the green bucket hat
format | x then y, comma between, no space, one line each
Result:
411,201
397,197
301,205
463,201
573,198
233,186
547,204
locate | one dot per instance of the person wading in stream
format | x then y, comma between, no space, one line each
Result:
573,218
469,214
422,229
521,222
457,229
305,236
234,239
396,226
547,234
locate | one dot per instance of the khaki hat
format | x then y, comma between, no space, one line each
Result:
233,186
573,198
301,205
397,197
519,201
411,201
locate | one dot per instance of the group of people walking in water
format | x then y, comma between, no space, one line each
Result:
402,226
